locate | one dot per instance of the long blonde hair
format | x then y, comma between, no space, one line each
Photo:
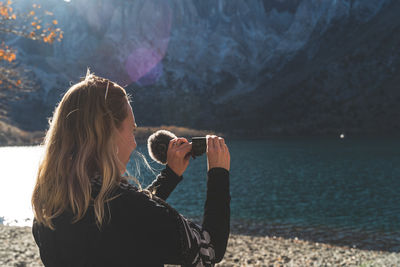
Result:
79,145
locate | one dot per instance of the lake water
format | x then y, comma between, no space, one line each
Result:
344,190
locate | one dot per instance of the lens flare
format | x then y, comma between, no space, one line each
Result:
129,39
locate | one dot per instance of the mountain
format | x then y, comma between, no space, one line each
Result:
247,68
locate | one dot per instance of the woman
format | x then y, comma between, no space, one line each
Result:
87,214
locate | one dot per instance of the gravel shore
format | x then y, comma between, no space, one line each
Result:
269,251
17,248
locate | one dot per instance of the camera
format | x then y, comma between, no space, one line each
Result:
157,145
199,146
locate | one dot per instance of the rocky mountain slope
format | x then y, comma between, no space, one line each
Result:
243,67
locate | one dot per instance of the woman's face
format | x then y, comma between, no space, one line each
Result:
125,140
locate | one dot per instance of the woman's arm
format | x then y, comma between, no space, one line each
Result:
165,183
216,218
200,245
208,242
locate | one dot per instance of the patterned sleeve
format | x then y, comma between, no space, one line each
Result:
200,250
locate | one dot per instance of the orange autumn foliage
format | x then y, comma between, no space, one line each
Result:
45,32
6,53
35,24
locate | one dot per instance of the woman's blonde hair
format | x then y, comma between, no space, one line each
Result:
79,145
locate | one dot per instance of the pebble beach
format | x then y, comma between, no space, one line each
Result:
17,248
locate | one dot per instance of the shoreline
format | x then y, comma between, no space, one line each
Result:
17,248
11,135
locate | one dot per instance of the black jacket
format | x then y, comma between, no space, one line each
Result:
142,231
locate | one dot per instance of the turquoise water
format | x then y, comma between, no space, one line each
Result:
335,185
330,190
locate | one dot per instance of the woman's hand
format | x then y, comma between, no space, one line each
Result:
178,155
217,153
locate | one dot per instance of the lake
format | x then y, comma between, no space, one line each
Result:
339,190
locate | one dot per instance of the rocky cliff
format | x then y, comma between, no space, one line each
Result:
243,67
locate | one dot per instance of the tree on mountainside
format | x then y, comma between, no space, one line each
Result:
36,24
